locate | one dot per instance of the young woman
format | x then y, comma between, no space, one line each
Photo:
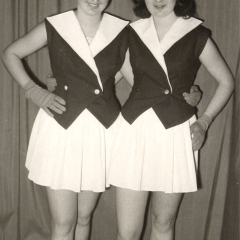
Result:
156,148
69,153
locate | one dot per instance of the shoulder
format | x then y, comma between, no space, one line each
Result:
114,20
198,33
141,24
60,15
203,31
202,35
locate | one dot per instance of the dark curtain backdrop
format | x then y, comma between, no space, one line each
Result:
210,214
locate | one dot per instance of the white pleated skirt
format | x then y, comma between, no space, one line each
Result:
75,159
148,157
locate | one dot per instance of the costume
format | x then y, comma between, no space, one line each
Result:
72,150
153,150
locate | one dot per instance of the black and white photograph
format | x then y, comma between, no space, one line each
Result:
119,120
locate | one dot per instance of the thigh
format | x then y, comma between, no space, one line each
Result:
165,206
63,206
131,206
87,201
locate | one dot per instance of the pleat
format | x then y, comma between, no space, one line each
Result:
148,157
75,159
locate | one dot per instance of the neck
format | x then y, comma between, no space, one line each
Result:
166,21
87,20
163,24
88,23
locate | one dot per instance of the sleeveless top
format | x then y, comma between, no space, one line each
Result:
164,71
85,73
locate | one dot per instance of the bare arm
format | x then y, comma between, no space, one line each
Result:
12,55
217,67
24,46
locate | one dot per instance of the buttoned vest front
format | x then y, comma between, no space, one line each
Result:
153,88
78,84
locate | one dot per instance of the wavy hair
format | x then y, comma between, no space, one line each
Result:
183,8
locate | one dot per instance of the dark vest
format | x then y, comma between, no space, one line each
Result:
151,88
78,85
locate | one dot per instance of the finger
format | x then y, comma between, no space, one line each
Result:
50,75
54,82
51,81
55,109
196,95
48,112
192,102
185,95
59,106
192,130
195,142
51,88
194,88
189,98
197,146
60,100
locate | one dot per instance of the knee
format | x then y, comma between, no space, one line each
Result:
84,218
129,233
63,225
163,224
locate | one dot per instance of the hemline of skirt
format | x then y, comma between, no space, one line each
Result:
68,188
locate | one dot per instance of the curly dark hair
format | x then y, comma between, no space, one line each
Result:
183,8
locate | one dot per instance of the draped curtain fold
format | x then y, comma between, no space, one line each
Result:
212,213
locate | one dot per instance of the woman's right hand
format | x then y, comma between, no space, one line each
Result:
44,99
198,134
51,82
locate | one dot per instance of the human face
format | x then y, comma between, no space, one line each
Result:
160,8
92,7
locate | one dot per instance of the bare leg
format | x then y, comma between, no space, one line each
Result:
63,208
86,203
131,207
164,208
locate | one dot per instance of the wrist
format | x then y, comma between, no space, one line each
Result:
28,87
205,121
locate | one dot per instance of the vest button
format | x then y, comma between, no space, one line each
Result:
96,91
66,87
166,91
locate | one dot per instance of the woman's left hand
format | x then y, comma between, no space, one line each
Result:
198,135
51,83
193,97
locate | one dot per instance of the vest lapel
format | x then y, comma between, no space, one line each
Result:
66,24
108,30
146,30
178,30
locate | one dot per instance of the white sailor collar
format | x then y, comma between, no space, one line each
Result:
68,27
145,28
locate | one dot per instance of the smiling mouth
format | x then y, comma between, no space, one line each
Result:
159,6
94,5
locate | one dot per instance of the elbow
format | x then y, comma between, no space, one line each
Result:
6,55
9,56
231,84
